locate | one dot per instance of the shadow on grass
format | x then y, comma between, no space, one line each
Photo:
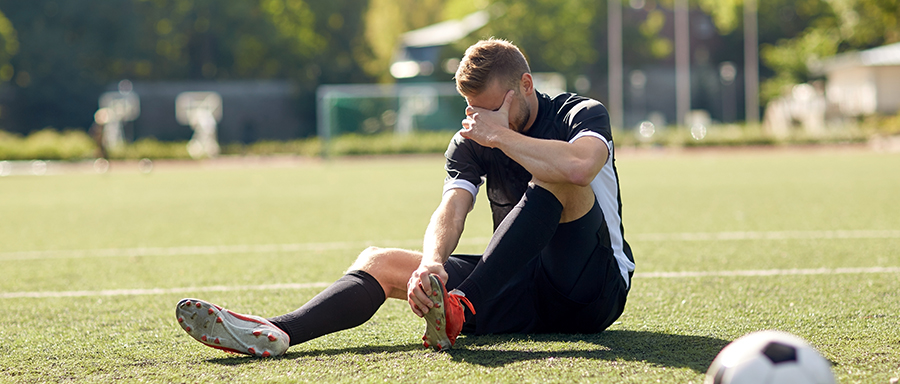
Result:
661,349
236,359
666,350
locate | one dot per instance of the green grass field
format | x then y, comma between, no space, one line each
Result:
726,243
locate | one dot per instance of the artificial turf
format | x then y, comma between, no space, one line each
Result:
91,267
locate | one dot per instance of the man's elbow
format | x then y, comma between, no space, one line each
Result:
581,180
585,164
581,174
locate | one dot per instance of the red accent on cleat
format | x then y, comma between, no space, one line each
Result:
218,319
437,321
210,311
272,337
188,328
437,328
180,319
216,341
198,305
203,338
188,303
252,351
426,344
257,333
266,354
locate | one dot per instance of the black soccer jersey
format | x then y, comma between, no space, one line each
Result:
566,117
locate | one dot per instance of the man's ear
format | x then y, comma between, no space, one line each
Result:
526,84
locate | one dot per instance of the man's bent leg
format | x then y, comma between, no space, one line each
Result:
354,298
581,289
523,234
576,200
520,237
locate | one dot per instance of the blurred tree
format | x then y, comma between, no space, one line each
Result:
794,32
207,39
61,47
9,46
342,25
835,26
555,35
60,55
57,56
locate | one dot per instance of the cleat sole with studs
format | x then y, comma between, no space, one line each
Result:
435,337
222,329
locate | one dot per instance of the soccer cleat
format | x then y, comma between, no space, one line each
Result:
444,321
229,331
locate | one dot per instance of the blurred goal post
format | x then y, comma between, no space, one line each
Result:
368,109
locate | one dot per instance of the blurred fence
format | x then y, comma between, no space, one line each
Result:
367,109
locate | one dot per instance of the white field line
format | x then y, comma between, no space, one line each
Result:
222,288
158,291
359,245
767,235
768,272
215,249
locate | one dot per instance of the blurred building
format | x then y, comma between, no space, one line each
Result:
865,82
420,55
857,84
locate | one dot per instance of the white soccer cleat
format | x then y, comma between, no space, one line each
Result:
223,329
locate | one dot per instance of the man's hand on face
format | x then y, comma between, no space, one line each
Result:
418,289
483,125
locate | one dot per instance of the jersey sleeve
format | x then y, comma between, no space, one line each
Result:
464,167
589,118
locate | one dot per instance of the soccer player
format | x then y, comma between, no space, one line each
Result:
557,262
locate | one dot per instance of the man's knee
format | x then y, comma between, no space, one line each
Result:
367,258
575,199
373,258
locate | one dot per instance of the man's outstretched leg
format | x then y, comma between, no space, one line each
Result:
349,302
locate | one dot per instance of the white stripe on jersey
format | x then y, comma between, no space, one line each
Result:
463,184
606,188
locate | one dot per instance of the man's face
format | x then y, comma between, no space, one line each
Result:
492,99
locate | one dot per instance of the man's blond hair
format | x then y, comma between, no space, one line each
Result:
487,61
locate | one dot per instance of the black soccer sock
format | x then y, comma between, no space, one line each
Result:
349,302
525,231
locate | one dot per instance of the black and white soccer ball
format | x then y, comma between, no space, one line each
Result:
769,357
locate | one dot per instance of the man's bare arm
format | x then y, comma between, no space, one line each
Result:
551,161
441,238
555,161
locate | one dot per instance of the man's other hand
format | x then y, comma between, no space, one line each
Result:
418,289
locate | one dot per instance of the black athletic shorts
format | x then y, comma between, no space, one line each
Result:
532,303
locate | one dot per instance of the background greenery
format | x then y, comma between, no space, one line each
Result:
127,230
74,145
57,56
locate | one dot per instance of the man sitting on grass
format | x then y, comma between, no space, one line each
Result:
557,262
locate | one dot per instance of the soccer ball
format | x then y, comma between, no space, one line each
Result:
769,357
